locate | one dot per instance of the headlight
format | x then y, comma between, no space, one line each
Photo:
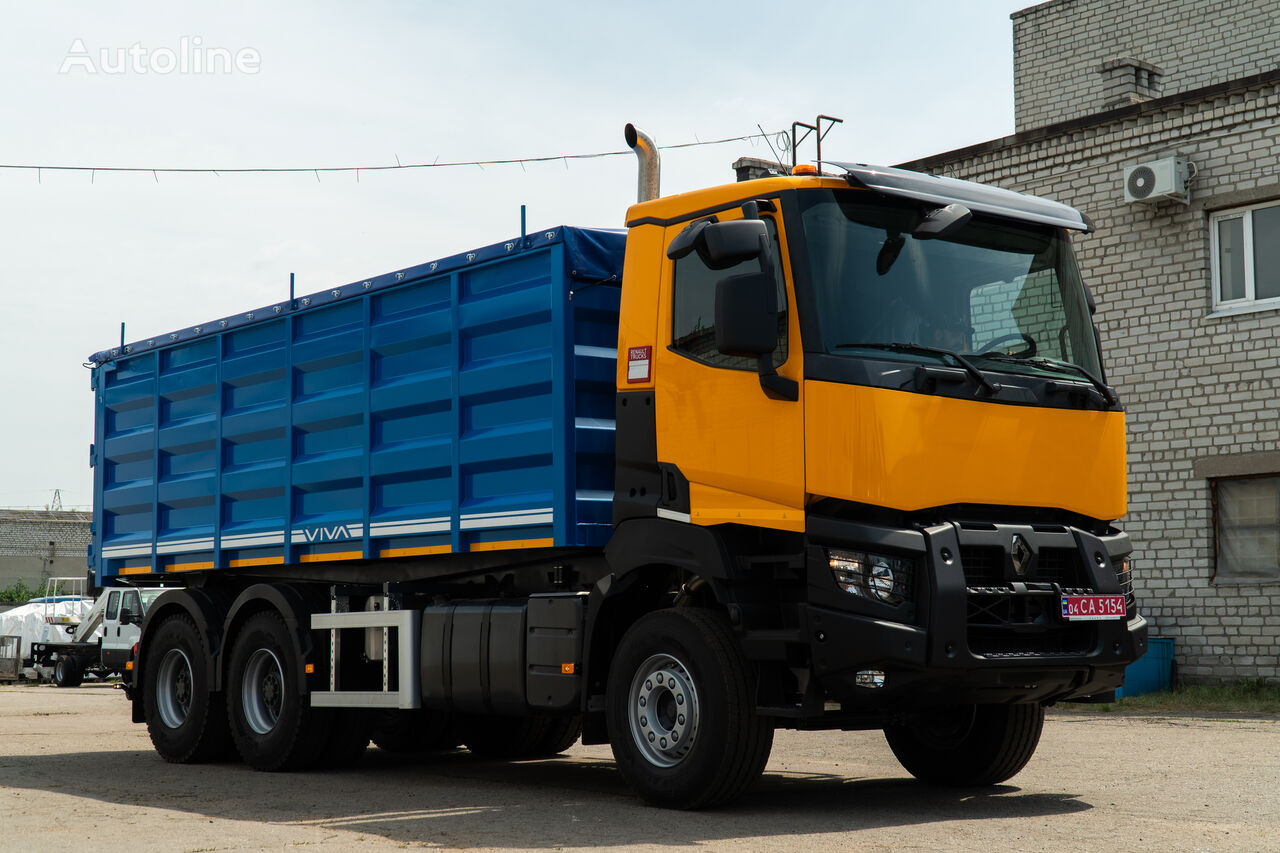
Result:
878,577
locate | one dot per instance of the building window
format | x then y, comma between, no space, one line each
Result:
1246,257
1247,521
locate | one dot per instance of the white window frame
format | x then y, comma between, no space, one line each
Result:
1249,302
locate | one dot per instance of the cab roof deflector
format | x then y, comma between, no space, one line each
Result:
979,198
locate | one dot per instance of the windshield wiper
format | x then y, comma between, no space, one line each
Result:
1108,394
978,376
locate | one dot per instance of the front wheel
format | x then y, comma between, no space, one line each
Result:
968,745
681,711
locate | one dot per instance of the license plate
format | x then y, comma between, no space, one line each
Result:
1086,608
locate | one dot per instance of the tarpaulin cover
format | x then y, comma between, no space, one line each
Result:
29,621
595,255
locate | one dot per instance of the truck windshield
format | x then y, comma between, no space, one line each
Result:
1007,296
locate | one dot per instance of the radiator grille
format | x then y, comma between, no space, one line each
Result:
985,565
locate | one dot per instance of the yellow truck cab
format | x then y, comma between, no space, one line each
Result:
869,415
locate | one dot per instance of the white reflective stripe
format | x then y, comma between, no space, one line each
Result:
127,551
407,529
594,423
592,495
506,513
409,525
673,515
511,519
250,540
595,352
185,546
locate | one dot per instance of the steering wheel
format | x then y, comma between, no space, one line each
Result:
1008,339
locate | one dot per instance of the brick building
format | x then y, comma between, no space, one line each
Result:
37,544
1188,293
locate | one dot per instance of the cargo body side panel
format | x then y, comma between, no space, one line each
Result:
459,406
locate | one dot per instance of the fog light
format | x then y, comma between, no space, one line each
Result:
881,580
878,577
871,678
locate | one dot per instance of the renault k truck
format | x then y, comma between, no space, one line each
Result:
818,451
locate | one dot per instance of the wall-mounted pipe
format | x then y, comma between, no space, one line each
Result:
650,164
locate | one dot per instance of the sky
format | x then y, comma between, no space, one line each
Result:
109,83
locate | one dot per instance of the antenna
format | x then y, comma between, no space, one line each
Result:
777,158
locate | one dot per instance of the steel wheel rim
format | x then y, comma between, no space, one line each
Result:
173,688
662,710
262,689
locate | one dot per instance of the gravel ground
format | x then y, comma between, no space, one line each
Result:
75,773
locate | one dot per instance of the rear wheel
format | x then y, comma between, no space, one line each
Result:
968,745
681,711
66,672
273,725
186,720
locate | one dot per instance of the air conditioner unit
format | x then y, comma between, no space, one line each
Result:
1168,178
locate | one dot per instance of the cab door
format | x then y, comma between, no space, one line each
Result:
121,628
741,450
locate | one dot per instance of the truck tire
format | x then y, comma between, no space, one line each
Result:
681,711
968,745
272,724
492,736
413,732
186,720
66,672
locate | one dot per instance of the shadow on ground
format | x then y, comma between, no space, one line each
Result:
570,801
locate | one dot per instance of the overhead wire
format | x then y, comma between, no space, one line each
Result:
40,168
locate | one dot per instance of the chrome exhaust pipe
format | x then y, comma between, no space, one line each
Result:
650,164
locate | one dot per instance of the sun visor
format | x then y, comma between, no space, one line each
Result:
979,198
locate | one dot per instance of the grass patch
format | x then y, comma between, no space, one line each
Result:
1251,696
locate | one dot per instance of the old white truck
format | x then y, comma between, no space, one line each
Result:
118,612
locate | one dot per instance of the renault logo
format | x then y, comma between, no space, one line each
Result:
1020,551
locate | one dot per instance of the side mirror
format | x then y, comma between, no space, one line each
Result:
728,244
746,315
129,617
721,244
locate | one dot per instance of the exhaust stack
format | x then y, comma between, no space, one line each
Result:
650,164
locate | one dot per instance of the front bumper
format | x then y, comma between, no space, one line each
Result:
981,625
